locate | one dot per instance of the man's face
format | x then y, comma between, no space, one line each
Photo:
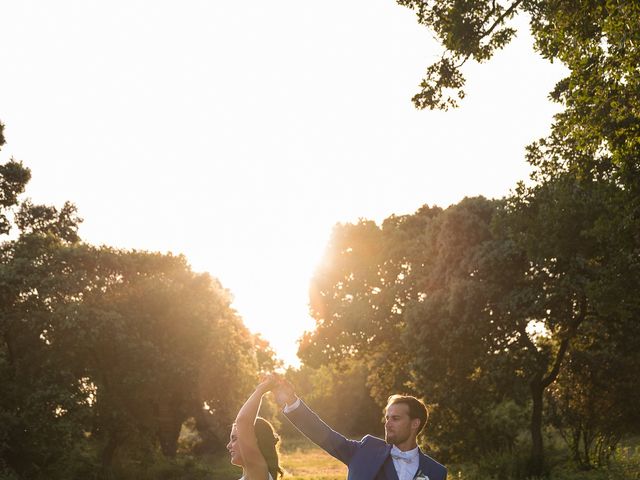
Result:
398,426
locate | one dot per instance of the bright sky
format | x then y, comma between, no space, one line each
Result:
239,133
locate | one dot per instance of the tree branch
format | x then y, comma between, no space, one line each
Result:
501,18
564,344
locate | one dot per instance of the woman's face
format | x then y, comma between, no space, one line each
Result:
234,450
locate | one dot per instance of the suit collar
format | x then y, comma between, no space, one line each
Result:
390,469
426,466
378,459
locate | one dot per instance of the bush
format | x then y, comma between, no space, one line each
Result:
624,465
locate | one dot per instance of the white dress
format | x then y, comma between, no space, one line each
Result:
270,477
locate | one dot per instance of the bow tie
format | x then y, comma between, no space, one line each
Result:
402,456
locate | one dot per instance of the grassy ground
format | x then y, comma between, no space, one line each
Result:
300,459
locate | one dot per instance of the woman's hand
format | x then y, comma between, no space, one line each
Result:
268,383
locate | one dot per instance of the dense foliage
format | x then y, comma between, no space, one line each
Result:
479,308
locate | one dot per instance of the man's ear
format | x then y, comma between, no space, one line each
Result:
415,423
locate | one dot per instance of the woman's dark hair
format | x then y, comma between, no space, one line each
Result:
267,441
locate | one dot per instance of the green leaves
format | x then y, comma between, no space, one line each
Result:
13,179
466,30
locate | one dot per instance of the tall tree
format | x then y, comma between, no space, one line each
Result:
41,404
596,400
155,341
401,298
358,296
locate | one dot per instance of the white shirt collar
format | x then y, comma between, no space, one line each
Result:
412,454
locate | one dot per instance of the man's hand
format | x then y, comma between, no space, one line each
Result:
284,393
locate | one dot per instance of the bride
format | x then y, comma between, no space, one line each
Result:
252,442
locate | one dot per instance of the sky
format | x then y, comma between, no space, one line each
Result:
240,133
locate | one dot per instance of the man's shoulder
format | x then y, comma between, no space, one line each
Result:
433,464
373,440
371,447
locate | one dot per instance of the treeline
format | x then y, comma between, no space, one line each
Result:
105,353
506,316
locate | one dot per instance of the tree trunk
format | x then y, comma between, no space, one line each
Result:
169,424
536,465
108,453
538,384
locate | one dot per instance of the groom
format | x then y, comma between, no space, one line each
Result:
397,457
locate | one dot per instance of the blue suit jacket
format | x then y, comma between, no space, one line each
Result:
367,459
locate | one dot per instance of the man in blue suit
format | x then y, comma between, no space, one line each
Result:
397,457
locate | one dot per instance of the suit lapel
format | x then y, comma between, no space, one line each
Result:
375,462
426,467
390,469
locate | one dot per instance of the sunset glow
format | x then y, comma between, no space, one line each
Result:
239,133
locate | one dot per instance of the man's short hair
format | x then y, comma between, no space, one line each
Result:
417,409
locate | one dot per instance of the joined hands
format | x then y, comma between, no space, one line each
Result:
282,389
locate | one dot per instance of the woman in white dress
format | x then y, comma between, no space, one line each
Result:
252,443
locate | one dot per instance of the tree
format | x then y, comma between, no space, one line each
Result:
459,361
579,249
358,296
401,297
597,135
155,341
340,396
595,400
596,138
41,404
266,357
598,132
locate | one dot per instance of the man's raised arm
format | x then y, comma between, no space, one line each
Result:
312,426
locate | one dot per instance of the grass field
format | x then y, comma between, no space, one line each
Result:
312,463
300,459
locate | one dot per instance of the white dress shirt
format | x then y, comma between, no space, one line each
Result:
406,463
292,407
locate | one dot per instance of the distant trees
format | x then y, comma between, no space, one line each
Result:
339,395
156,342
480,307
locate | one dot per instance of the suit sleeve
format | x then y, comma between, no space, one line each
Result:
335,444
